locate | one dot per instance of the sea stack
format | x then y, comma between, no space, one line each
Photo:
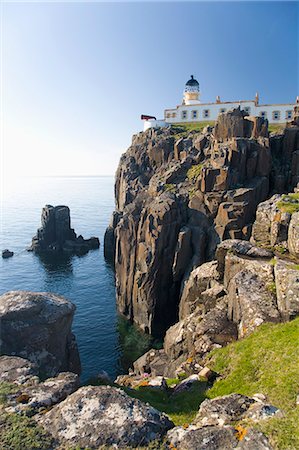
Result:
56,234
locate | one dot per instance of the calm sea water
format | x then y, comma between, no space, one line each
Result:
88,281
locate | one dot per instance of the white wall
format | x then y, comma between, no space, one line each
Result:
215,109
153,124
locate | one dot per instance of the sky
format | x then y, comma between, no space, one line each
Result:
76,76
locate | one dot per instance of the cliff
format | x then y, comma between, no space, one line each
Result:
178,195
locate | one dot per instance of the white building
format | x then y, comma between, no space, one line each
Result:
192,110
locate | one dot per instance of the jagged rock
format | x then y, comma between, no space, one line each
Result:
240,248
31,398
199,281
176,199
102,415
154,362
37,326
14,369
293,235
250,303
56,234
287,288
7,253
232,408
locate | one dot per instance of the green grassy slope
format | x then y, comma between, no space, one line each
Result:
266,362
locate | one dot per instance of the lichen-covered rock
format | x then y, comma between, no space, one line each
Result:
102,415
37,326
232,408
205,438
14,369
251,302
31,398
293,235
217,438
287,288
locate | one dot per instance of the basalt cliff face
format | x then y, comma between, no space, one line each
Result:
178,195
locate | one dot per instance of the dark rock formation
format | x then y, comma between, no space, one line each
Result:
101,415
7,253
37,326
56,234
177,197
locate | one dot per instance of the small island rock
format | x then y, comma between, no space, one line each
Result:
56,234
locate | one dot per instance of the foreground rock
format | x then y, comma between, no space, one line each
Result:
37,326
215,426
16,370
56,234
232,408
95,416
217,438
35,396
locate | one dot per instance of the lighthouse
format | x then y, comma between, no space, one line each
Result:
191,92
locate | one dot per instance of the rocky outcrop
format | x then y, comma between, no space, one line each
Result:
56,234
277,223
222,301
177,197
95,416
37,326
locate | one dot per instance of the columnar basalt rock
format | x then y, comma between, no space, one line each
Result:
179,195
56,234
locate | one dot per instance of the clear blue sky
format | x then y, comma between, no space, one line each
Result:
77,76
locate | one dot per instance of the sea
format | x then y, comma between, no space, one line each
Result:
88,281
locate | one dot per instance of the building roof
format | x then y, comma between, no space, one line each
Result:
192,82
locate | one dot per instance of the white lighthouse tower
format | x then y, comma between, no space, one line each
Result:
191,92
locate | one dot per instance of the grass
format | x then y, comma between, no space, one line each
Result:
289,203
182,129
266,361
271,287
293,266
169,187
194,172
276,128
181,407
6,389
19,432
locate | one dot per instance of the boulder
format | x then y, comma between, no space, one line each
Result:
217,438
14,369
232,408
103,415
205,438
37,326
7,253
